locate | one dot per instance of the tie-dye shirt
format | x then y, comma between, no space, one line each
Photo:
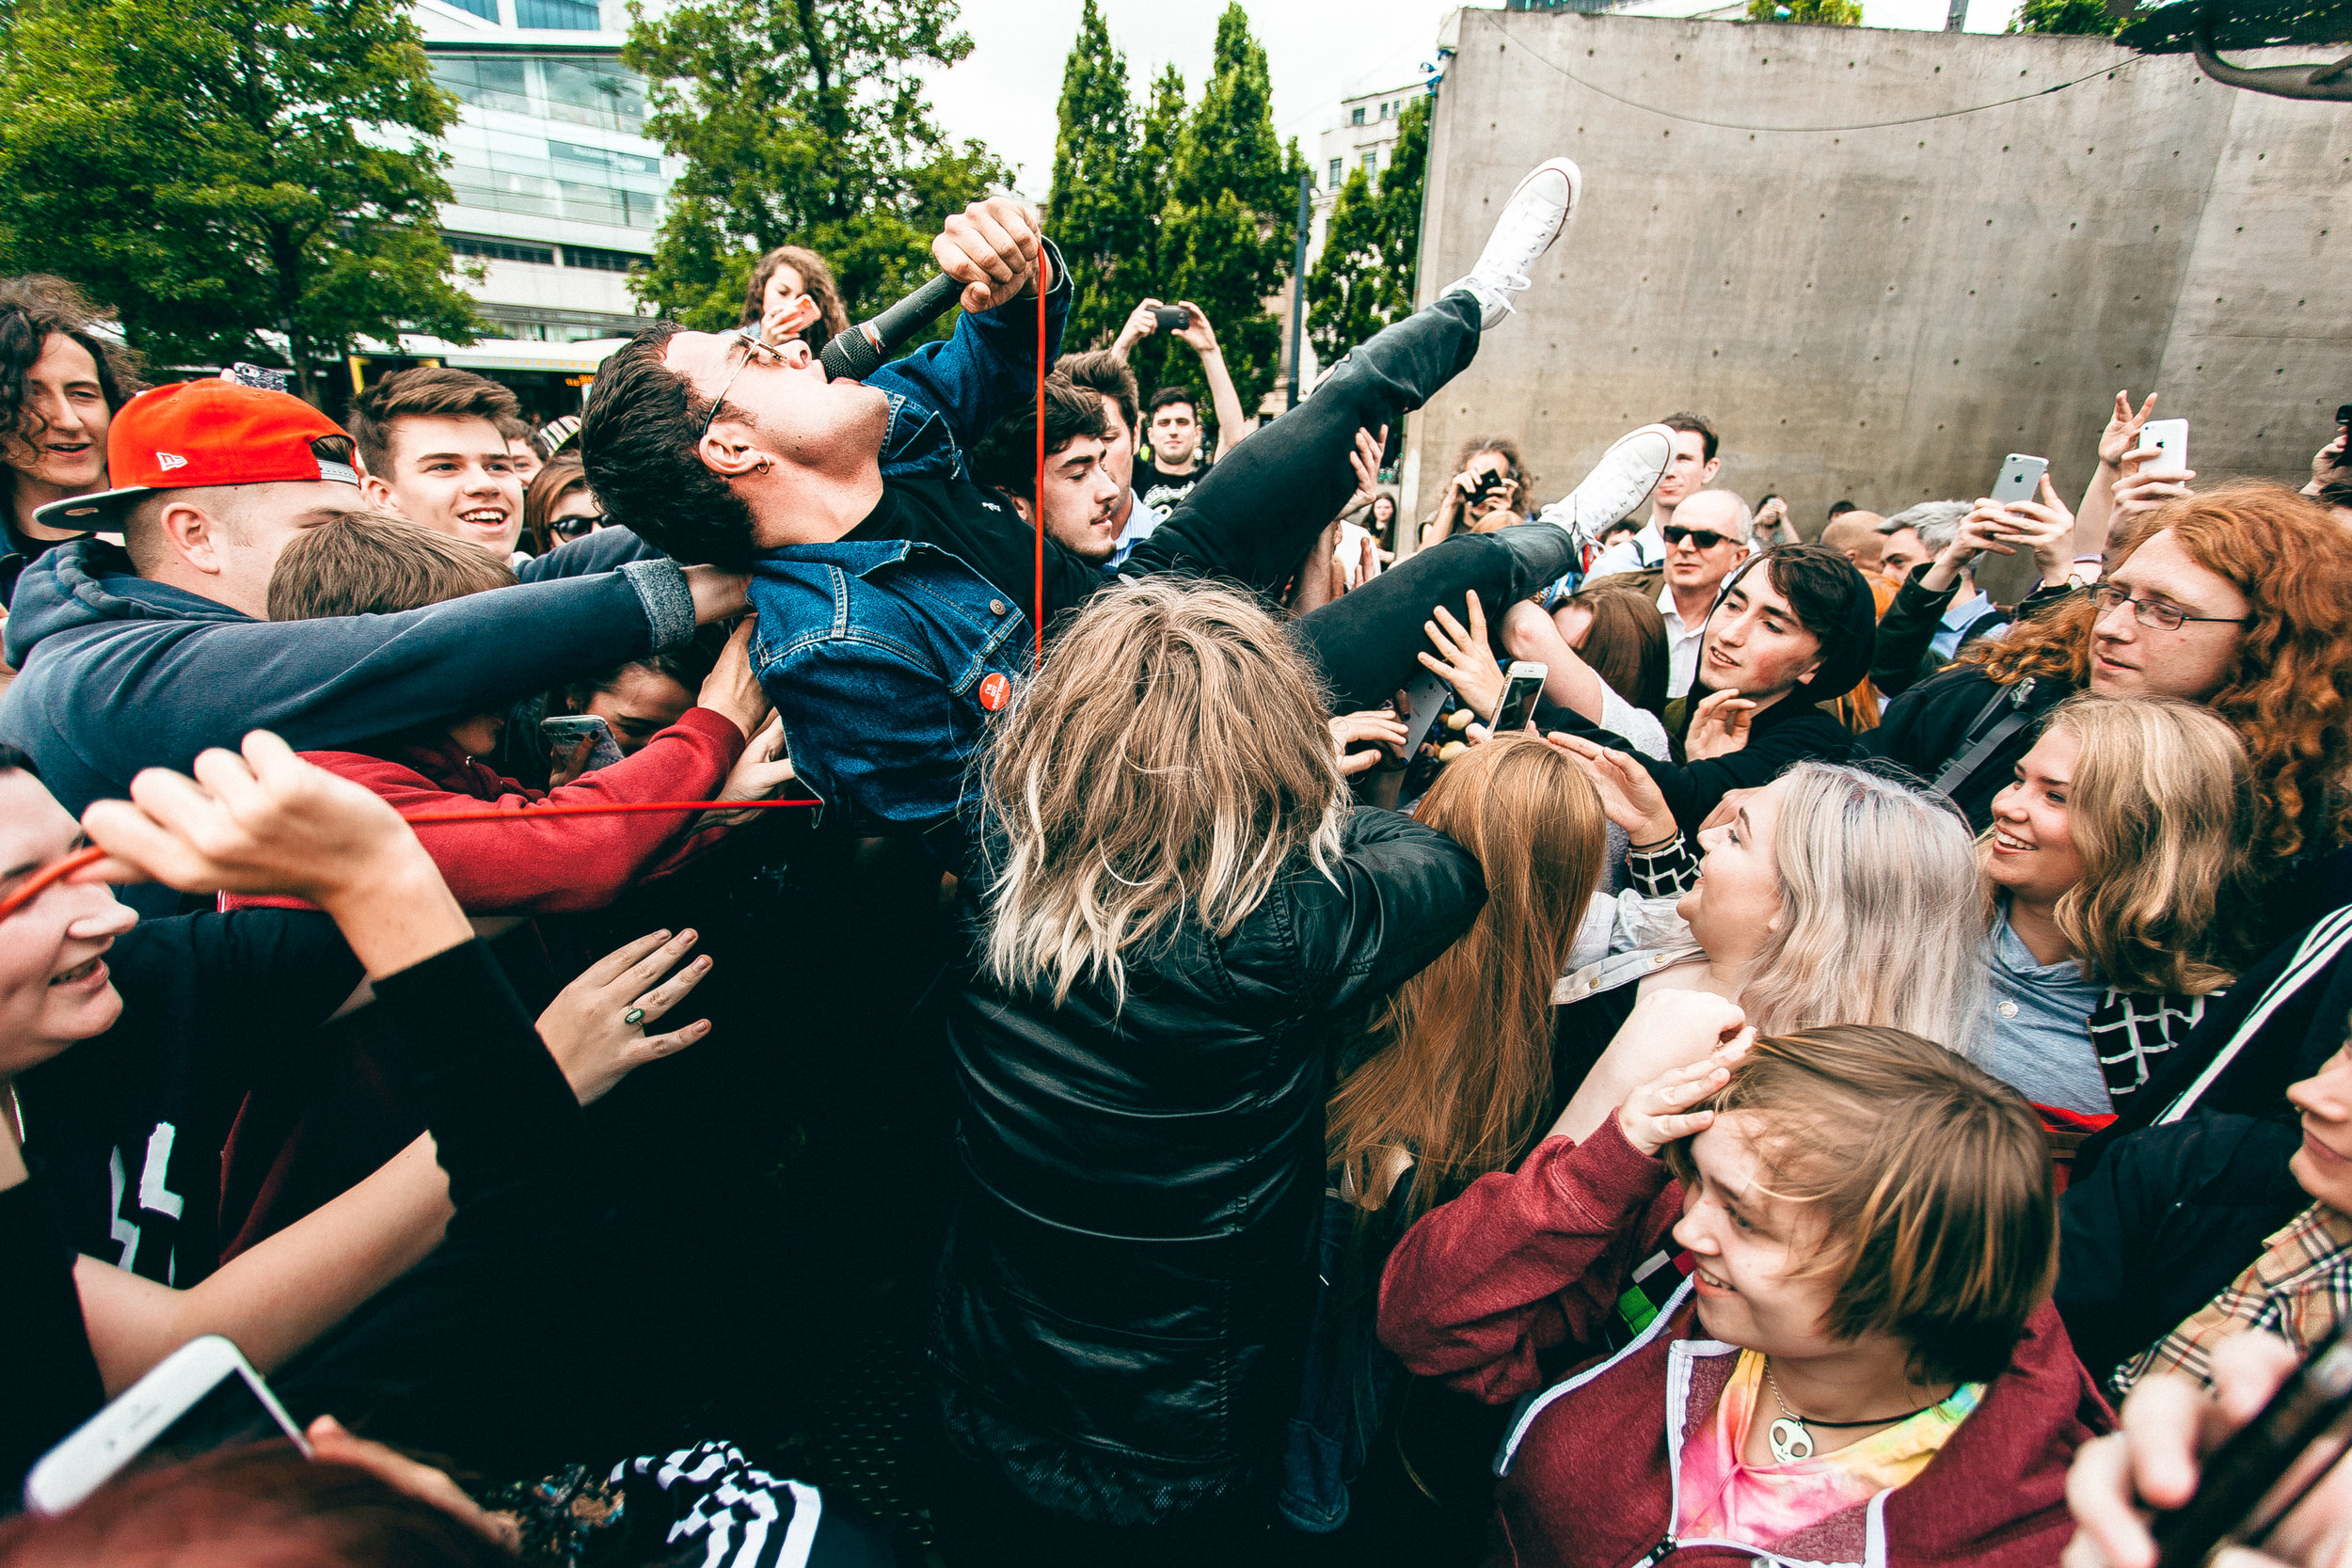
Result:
1722,1498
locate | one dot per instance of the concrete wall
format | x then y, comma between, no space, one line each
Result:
1881,314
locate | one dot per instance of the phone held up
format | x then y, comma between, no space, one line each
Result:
2008,579
566,731
1172,318
2255,1479
203,1396
1523,682
2168,436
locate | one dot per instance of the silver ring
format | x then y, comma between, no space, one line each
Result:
634,1015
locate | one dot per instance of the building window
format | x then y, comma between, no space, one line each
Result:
587,92
1372,160
558,16
596,260
498,251
1333,183
1355,115
487,9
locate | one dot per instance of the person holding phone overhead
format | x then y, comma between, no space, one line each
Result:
1939,606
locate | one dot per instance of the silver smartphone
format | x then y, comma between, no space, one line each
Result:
566,731
2008,579
203,1396
1523,682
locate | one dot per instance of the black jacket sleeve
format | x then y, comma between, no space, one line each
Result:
600,551
1404,893
504,1119
1906,630
1693,790
54,1385
264,982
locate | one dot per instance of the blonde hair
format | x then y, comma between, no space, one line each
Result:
2160,807
1460,1074
1879,922
1167,764
1931,1179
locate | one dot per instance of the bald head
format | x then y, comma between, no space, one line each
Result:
1855,534
1717,511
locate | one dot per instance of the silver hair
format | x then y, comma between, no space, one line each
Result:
1938,522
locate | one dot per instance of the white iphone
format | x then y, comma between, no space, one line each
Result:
202,1396
2168,436
1523,682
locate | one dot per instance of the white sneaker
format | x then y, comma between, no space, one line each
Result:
1531,220
1629,470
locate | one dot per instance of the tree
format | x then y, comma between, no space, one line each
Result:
1227,219
799,124
2205,28
222,169
1367,274
2069,18
1096,213
1824,13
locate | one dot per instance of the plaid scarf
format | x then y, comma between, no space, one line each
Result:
2299,1289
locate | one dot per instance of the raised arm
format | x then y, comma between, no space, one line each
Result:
1232,423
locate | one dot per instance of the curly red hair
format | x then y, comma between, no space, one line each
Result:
2288,692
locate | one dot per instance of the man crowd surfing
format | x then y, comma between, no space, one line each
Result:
1574,1029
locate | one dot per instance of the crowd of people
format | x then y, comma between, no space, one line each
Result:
1592,1030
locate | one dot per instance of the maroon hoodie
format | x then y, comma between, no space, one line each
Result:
1533,1261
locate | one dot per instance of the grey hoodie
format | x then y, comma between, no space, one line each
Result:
120,673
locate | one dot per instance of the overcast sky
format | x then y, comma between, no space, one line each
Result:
1321,51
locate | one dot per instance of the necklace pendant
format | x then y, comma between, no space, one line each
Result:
1789,1440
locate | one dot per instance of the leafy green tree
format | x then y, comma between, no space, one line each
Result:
800,123
1096,213
2073,17
1229,213
1820,14
221,169
1366,276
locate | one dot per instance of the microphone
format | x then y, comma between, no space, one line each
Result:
860,351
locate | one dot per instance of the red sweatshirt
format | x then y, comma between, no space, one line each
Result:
1530,1260
539,864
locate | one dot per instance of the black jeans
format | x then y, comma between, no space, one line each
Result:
1257,511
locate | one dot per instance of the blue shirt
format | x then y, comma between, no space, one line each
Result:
886,651
1958,618
2037,1034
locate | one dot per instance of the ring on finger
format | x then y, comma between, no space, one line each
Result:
633,1017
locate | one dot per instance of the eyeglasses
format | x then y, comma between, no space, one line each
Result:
1701,539
575,528
750,345
2154,613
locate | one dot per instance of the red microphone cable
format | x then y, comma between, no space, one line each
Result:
32,885
1037,501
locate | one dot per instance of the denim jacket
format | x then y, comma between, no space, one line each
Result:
884,657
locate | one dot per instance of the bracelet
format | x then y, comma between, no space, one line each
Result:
1653,848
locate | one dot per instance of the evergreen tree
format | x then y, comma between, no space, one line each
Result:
1096,212
1367,273
799,124
220,170
2071,17
1228,217
1824,13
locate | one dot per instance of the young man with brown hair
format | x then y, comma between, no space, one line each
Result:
433,449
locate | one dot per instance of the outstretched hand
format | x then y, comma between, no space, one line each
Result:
598,1027
1629,796
2123,431
1719,726
1464,658
1367,739
995,249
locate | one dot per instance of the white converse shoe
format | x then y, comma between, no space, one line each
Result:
1531,220
1629,471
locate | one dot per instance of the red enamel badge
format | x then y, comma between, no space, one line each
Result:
995,692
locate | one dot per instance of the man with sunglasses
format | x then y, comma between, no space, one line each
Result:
1704,539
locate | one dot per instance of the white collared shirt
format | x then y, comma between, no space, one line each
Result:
1682,645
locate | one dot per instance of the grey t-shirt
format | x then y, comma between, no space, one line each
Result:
2038,1030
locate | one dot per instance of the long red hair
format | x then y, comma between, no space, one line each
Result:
2290,689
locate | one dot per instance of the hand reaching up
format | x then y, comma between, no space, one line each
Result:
1629,796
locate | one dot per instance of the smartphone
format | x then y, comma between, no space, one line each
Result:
1172,318
2252,1481
1523,682
203,1396
2168,436
2008,579
565,733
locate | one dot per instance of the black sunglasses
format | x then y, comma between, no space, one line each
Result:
576,528
1703,539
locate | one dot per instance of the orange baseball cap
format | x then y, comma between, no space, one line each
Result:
200,433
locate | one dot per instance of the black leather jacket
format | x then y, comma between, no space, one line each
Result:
1130,1273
